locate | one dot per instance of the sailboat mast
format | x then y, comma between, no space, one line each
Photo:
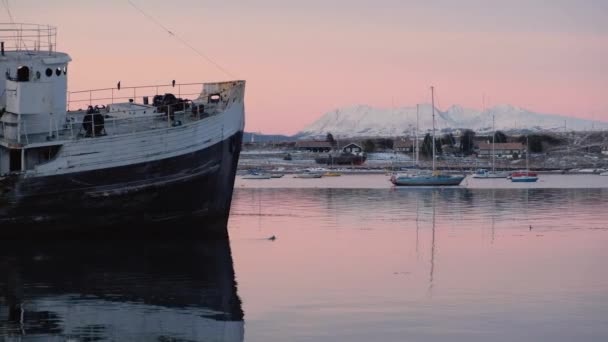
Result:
527,152
493,137
416,134
433,110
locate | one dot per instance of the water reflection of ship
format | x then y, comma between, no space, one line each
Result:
114,291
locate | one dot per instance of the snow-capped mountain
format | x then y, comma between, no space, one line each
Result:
368,121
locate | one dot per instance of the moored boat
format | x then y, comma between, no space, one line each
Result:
308,174
257,175
435,178
342,159
426,179
524,177
85,170
486,174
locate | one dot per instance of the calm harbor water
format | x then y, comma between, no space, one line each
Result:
354,260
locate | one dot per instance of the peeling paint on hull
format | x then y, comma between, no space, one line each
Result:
186,195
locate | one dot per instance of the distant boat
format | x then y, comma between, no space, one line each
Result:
525,176
342,159
332,174
429,179
485,174
308,174
604,173
255,174
276,175
424,178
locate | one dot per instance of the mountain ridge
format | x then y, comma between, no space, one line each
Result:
365,120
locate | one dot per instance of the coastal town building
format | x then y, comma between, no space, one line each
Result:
352,148
313,146
501,150
403,145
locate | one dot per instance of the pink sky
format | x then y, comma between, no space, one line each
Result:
302,59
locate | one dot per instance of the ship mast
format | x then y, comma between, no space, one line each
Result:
433,110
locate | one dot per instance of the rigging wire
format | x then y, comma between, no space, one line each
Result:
178,38
8,10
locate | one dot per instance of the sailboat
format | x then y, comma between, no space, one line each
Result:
484,173
427,179
525,176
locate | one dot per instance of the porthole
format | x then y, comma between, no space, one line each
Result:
49,72
58,72
37,75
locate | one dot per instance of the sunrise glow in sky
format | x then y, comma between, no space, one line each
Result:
304,58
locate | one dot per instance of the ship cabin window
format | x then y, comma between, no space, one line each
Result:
58,72
37,75
23,74
65,69
49,72
214,98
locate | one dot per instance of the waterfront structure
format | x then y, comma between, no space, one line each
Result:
501,150
316,146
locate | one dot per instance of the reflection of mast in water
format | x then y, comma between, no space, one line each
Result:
493,213
417,228
259,195
432,249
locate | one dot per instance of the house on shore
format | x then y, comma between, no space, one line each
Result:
352,148
501,150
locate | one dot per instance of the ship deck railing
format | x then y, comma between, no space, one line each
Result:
28,37
119,122
121,94
115,123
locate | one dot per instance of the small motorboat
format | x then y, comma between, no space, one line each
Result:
486,174
332,174
308,174
255,174
605,173
276,175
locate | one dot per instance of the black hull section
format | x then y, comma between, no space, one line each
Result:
182,196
